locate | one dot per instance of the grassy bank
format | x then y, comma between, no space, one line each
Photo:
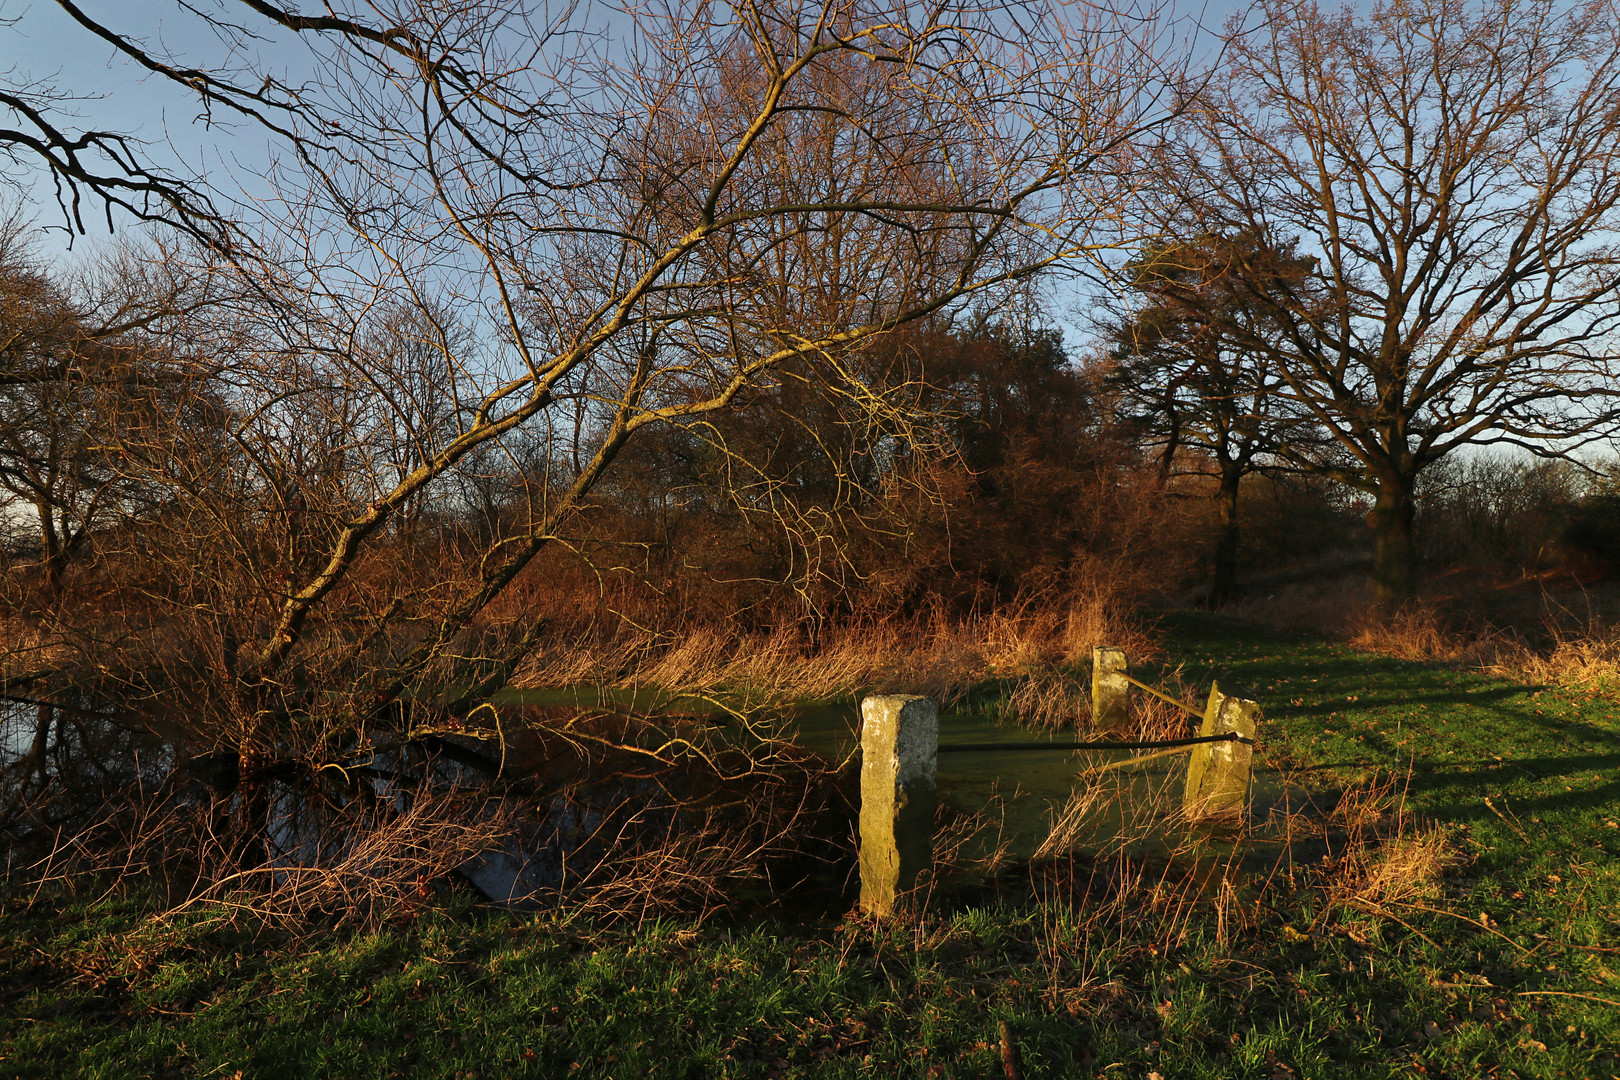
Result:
1507,965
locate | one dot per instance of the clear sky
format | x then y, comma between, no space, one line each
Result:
43,46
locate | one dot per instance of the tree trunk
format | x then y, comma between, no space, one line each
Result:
1394,552
1167,457
51,555
1226,537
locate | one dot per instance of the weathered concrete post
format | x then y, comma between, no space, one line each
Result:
1109,691
1218,773
899,764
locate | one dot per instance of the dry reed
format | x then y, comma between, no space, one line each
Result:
1588,663
940,657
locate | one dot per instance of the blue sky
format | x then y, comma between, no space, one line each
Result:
108,92
44,45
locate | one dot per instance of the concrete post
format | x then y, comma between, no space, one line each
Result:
1109,692
899,764
1218,773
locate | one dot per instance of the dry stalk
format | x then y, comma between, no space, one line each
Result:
365,867
1386,856
647,859
1588,663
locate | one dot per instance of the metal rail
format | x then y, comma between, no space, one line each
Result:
1160,694
1230,736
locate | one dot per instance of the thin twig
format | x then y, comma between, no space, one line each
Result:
1566,993
1464,918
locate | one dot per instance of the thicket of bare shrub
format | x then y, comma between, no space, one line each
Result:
171,669
724,373
554,807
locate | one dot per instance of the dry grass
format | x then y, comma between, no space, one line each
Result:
1403,868
1059,698
975,843
1050,697
1584,657
1382,858
1534,638
1342,609
1579,654
1415,633
1385,856
1423,632
1152,718
1081,818
939,657
1586,663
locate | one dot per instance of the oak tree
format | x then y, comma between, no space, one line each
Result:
1453,168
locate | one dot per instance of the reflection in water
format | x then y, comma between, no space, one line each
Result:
554,813
74,745
561,802
1027,792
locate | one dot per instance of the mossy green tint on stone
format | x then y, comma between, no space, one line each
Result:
1218,773
899,764
1110,692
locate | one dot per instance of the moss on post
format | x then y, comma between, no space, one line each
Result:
1110,693
1218,773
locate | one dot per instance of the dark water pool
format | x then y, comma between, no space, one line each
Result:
1006,800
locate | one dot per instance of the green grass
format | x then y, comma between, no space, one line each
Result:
1305,989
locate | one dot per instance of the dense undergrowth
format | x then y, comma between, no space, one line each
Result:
1473,934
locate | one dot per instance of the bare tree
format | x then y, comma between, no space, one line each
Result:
118,169
1454,169
507,245
74,352
1192,358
